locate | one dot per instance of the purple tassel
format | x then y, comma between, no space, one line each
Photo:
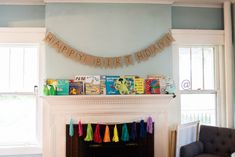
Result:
133,131
150,125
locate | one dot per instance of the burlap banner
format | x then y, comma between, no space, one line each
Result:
109,62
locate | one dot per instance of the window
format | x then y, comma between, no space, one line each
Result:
18,98
21,67
197,85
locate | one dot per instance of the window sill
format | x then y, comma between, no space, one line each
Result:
20,150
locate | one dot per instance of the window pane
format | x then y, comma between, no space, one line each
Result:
4,69
30,68
198,107
197,69
184,68
16,68
17,120
209,71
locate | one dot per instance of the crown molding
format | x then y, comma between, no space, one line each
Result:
112,1
183,3
199,5
22,2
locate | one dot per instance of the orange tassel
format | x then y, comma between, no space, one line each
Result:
106,134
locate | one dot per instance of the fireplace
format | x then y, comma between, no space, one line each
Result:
58,110
139,147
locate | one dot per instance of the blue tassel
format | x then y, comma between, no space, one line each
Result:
133,131
142,129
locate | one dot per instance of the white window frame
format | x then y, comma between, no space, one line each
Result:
27,35
190,37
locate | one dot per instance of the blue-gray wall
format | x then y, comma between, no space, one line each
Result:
108,30
22,16
197,18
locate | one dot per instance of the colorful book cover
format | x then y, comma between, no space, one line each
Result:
103,84
155,86
52,86
81,78
92,85
148,86
139,85
162,80
110,85
62,87
76,87
130,83
52,82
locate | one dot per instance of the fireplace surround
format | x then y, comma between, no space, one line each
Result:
58,110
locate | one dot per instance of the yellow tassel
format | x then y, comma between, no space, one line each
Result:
115,134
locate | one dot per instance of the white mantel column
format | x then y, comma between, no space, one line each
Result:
228,63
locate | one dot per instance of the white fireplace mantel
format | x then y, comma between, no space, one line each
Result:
103,109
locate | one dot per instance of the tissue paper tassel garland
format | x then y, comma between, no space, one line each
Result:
89,133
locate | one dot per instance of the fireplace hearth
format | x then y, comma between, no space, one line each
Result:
140,147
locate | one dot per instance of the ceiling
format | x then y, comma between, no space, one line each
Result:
176,2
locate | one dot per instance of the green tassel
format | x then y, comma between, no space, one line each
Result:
89,133
125,133
71,131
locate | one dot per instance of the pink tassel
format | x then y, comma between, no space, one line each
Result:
80,129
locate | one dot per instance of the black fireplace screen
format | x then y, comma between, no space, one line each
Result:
140,147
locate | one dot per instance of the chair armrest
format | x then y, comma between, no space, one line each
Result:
192,149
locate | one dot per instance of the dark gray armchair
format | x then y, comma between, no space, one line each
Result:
213,142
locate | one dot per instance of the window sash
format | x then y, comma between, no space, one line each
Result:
22,86
190,79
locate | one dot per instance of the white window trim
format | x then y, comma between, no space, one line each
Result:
202,37
27,35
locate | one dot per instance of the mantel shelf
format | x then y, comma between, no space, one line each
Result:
142,96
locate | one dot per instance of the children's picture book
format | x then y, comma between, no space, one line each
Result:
130,83
110,85
81,78
162,80
148,86
52,86
76,87
62,87
155,86
139,85
53,82
103,84
92,85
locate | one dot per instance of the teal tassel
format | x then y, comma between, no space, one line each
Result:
125,133
71,131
